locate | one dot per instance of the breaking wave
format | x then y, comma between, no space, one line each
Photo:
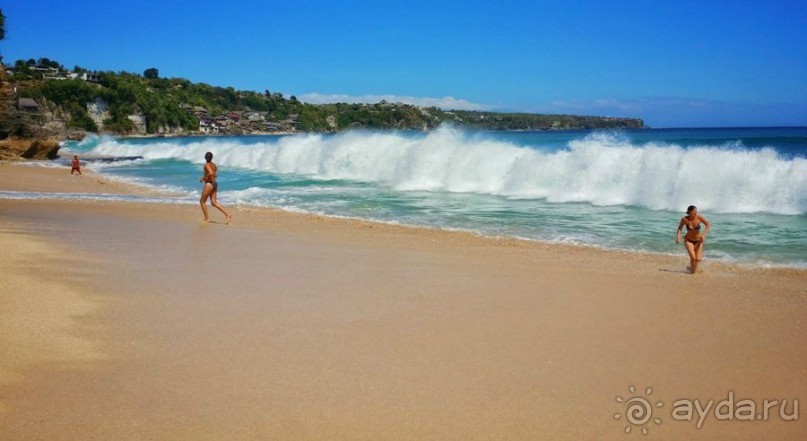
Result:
600,169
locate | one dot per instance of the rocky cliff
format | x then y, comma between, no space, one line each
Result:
22,136
17,148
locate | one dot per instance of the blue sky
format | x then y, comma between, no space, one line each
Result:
674,64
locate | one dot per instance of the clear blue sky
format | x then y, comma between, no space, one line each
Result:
673,63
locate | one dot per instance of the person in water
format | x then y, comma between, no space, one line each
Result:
76,165
693,240
211,188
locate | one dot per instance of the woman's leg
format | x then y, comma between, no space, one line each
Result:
699,252
693,258
214,202
206,190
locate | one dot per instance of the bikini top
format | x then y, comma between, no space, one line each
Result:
697,228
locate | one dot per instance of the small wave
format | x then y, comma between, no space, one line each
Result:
34,195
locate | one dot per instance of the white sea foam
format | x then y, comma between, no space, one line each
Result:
41,195
601,169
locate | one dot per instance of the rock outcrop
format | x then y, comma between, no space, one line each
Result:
13,148
21,137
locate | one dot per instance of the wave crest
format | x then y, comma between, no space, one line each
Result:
601,168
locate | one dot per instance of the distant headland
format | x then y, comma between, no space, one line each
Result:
42,99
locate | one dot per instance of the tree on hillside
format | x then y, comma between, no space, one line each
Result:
47,62
22,70
151,73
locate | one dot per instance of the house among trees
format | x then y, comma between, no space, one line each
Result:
293,121
274,126
210,126
28,105
45,70
91,77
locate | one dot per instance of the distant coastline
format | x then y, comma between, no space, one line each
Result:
46,100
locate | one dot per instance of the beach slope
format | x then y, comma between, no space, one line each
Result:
147,324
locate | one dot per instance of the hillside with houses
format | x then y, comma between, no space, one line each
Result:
48,99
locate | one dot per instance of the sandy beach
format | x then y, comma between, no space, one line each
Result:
137,321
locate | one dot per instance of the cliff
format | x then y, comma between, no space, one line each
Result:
15,149
22,135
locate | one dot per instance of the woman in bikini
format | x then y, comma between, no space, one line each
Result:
693,240
211,188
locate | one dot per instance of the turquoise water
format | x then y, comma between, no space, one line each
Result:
615,189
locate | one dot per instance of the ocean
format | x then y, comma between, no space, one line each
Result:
623,189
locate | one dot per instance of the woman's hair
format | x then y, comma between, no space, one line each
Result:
690,208
208,156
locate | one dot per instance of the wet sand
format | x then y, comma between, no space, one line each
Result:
137,321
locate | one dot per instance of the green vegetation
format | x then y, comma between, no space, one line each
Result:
71,97
531,121
178,105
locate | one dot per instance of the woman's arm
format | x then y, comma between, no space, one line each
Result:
208,172
705,222
678,233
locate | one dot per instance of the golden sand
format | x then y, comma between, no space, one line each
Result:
287,326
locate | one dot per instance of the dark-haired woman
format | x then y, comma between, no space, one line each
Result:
693,240
211,188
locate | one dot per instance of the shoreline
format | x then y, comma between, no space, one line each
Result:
290,326
124,186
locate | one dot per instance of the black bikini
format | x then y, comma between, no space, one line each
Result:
698,228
